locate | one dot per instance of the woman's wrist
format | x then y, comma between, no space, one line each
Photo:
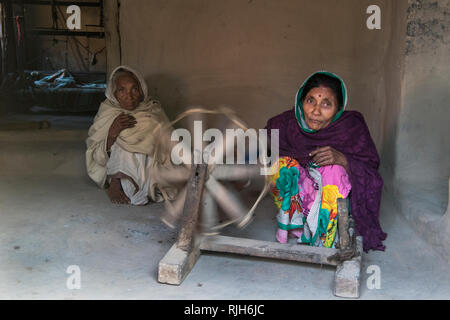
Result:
109,142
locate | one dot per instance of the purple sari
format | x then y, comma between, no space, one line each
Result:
350,135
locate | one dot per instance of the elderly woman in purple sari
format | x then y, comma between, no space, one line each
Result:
325,153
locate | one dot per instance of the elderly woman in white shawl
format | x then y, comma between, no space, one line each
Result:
121,144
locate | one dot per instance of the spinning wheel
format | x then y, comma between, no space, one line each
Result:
221,204
206,191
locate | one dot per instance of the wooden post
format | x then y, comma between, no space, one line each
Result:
191,209
112,35
343,224
9,63
183,255
19,28
347,276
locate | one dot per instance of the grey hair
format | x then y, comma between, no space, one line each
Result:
124,72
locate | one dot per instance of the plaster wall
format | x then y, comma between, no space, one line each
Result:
423,142
421,172
253,55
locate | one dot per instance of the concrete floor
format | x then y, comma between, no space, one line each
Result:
53,216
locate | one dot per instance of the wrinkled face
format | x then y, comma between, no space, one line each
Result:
319,107
128,92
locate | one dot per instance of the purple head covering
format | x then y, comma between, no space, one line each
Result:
350,135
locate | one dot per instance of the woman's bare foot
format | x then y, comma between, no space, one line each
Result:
115,192
282,236
121,175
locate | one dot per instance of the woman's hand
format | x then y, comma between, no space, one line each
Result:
121,122
326,156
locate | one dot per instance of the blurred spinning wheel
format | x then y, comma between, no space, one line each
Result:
221,203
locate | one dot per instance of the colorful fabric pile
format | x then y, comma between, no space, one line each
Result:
307,201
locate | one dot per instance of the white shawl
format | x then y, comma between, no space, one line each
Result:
141,138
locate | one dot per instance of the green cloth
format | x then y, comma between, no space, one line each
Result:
287,183
299,104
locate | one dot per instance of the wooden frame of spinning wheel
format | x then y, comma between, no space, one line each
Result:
182,256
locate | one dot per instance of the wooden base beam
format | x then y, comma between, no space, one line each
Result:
268,249
176,264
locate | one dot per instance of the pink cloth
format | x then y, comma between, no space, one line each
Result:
331,175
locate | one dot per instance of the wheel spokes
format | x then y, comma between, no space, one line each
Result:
226,199
236,172
174,209
209,214
175,175
216,194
